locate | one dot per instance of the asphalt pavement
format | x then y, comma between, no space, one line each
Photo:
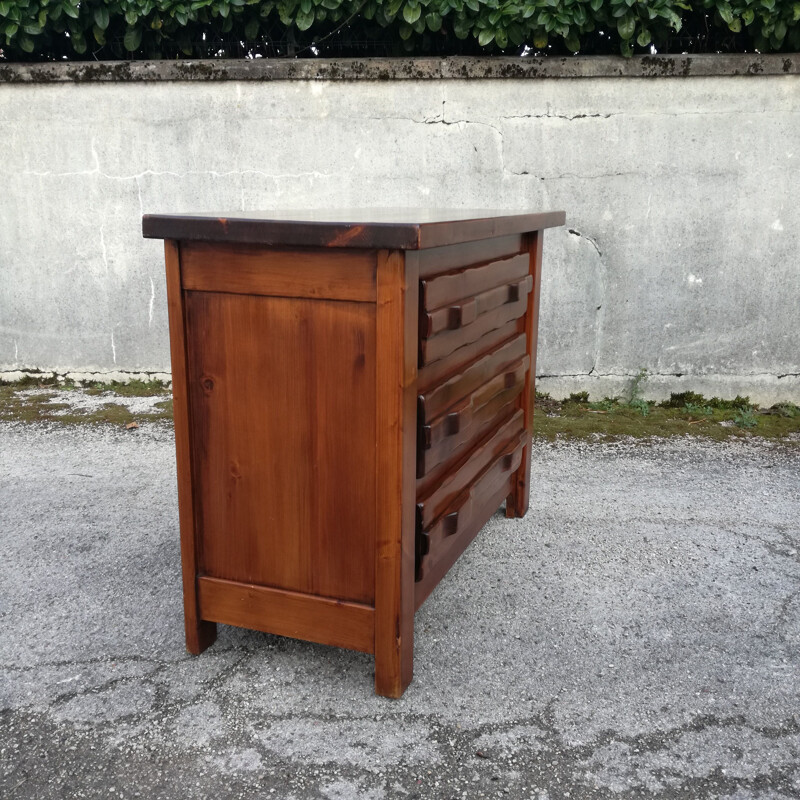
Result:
636,635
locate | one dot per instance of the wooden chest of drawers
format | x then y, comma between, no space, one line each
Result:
352,397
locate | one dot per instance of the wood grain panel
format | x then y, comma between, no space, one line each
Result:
285,459
302,616
395,442
199,633
448,435
449,288
250,269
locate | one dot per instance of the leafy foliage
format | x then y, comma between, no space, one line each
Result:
57,29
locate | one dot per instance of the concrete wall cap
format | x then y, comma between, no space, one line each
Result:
392,69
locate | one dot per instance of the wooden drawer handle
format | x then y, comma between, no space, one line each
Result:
452,427
458,316
518,289
452,423
450,524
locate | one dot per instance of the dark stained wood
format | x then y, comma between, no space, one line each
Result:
265,377
299,374
450,448
432,375
439,260
446,546
451,287
460,515
444,343
401,229
518,500
259,270
302,616
438,399
465,422
200,633
457,417
395,442
468,310
431,506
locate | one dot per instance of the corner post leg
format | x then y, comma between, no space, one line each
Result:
200,633
396,377
517,501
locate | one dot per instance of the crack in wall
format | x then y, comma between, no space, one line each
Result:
600,311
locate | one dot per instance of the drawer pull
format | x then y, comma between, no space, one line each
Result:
425,437
449,525
436,343
452,424
458,316
518,289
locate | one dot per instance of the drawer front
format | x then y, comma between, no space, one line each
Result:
463,423
475,323
439,398
448,522
446,289
444,493
473,369
437,373
464,312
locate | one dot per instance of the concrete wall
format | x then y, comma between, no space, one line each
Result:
681,251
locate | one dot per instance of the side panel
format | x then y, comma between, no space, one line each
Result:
282,395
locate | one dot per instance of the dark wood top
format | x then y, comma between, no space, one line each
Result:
390,228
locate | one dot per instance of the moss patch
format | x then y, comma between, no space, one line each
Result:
66,403
685,414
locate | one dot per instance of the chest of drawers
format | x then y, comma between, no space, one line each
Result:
352,397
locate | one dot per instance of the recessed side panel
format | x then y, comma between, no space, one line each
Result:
282,400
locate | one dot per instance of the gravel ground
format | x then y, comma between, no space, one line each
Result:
636,635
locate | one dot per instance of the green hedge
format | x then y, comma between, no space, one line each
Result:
79,29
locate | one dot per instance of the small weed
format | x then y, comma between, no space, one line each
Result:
788,410
606,404
578,397
698,410
684,399
738,403
130,389
746,418
636,400
641,405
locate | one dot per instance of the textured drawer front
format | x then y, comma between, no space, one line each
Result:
474,324
438,399
446,492
448,288
463,423
465,513
464,312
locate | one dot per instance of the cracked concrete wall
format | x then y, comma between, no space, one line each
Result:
680,252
